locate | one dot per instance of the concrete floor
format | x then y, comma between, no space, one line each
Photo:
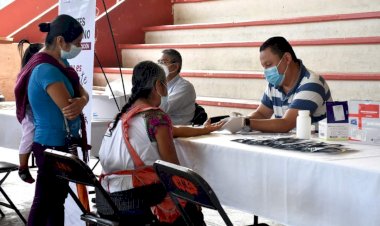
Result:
19,192
22,194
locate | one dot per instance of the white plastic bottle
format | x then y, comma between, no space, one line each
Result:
303,124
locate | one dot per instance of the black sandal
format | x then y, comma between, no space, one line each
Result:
25,175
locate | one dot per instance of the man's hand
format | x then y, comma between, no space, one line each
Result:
75,108
233,124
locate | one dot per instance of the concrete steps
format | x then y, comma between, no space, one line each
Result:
311,27
227,11
213,101
219,41
345,55
225,91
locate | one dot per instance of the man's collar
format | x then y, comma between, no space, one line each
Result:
174,80
302,73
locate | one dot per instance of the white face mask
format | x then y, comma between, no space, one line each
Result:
166,69
74,51
164,99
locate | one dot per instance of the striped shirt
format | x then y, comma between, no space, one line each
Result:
310,93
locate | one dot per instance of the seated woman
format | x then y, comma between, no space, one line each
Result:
141,134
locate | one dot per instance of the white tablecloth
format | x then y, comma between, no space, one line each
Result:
10,129
290,187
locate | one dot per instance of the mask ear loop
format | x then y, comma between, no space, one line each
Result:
286,69
162,83
280,60
166,86
169,70
58,41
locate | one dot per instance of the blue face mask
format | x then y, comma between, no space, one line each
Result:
273,76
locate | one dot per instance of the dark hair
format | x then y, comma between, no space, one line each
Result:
279,46
63,25
175,57
32,49
144,77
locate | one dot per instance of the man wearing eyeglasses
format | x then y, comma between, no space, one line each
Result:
180,104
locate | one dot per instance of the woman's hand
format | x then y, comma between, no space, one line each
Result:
75,108
212,127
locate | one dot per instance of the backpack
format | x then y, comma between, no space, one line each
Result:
200,115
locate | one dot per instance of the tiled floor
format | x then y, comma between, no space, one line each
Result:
22,194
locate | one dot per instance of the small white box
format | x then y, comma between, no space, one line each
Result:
333,131
104,108
98,129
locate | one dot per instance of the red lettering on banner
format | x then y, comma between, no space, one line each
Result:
184,185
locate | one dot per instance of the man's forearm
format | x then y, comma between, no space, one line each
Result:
257,115
271,125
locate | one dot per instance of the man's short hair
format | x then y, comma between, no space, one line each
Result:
175,56
279,46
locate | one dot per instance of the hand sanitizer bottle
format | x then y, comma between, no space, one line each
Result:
303,124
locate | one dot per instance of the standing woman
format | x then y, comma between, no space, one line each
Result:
54,93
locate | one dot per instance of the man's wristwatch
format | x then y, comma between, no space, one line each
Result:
247,124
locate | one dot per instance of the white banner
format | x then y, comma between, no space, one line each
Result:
84,11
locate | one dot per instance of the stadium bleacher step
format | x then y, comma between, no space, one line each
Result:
321,54
310,27
247,10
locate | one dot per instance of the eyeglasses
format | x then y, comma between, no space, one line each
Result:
165,62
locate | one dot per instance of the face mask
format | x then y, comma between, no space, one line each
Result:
273,76
163,65
166,69
74,51
164,101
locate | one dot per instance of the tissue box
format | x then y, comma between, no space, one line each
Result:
364,120
333,131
